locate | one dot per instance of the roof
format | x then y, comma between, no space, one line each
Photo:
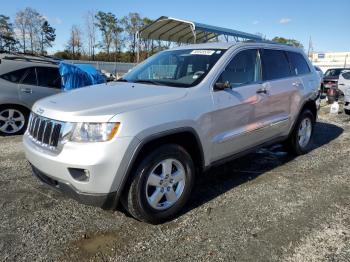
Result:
13,61
28,58
182,31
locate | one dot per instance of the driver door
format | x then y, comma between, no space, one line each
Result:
240,111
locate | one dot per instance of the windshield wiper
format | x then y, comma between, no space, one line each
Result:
147,82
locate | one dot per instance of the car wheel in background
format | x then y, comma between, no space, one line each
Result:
161,185
13,120
299,140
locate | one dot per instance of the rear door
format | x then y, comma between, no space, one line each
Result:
39,82
282,88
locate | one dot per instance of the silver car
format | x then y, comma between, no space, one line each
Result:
143,140
24,80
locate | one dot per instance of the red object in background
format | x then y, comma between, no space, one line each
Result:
332,95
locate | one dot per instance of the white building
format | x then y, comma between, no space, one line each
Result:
327,60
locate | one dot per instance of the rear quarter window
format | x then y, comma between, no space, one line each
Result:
298,63
14,76
274,64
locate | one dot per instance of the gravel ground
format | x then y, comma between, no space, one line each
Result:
266,206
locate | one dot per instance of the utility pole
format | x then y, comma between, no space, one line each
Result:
345,60
310,50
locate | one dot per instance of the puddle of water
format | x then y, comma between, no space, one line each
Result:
97,243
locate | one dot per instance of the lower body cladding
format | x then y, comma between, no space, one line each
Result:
91,173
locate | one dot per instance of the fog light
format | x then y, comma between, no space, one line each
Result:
79,174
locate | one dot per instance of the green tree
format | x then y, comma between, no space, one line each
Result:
7,37
287,41
132,24
48,36
107,23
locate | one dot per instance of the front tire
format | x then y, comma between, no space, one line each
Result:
301,136
13,120
161,185
347,111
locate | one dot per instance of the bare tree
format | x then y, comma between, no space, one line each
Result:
29,23
75,42
34,24
118,40
21,22
91,28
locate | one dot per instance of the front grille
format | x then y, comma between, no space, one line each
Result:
44,131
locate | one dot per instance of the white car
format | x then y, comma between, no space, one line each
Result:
344,81
344,87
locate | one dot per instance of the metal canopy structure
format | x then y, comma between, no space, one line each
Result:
181,31
185,32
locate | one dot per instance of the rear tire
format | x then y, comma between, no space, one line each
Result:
13,120
301,136
160,185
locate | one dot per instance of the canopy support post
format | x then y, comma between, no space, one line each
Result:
193,29
138,41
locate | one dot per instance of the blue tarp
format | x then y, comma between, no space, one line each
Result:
79,75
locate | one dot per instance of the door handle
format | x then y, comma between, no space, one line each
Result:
296,84
27,90
261,91
341,84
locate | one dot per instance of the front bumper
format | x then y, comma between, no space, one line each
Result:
105,201
105,162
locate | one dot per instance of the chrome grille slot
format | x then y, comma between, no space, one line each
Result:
45,131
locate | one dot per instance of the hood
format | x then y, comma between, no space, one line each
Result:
101,102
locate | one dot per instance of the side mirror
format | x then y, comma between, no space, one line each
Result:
222,86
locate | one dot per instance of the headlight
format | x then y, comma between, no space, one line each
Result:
94,132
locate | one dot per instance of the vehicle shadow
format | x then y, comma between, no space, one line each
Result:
223,178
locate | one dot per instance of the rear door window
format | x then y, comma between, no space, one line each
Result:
49,77
274,64
30,77
298,64
14,76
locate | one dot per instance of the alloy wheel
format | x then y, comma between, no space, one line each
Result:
165,184
11,121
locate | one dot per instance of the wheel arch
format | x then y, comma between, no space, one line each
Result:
186,137
2,105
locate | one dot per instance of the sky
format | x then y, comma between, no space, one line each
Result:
325,22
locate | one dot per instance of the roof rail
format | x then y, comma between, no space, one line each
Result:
30,57
267,42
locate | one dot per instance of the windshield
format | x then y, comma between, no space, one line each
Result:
334,72
179,68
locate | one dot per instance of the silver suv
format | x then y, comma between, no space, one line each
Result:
23,80
143,140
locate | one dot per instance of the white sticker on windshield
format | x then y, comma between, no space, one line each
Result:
202,52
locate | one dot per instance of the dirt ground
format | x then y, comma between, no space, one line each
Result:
266,206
